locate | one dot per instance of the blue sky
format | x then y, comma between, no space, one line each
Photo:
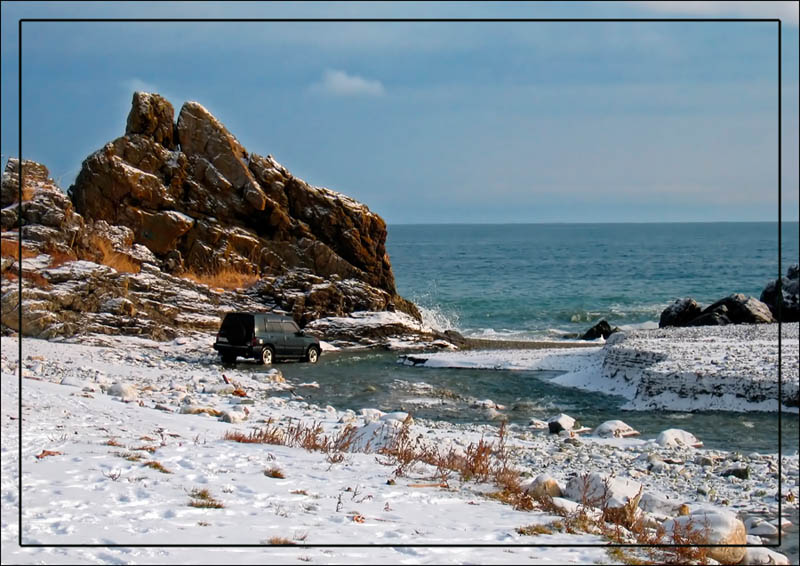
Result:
442,122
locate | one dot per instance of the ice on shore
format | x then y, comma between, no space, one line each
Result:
730,368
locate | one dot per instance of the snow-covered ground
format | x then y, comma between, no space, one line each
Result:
95,412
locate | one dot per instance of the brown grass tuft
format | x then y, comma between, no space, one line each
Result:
224,278
157,466
533,530
280,541
274,472
202,498
10,248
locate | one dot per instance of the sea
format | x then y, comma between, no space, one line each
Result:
528,281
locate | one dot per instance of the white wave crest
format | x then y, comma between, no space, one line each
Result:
437,319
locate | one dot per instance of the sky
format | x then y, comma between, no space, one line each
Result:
441,122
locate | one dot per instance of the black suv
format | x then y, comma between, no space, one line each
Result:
264,337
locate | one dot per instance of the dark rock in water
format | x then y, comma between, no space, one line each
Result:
734,309
455,338
680,313
789,299
602,328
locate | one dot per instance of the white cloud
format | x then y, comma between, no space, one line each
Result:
136,84
786,11
340,83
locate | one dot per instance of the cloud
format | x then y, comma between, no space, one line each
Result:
339,83
139,85
786,11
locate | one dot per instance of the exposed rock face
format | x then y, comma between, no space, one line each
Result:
789,299
152,115
165,201
208,206
733,309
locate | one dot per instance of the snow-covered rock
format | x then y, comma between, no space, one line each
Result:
676,437
710,526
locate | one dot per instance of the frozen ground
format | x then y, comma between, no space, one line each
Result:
96,412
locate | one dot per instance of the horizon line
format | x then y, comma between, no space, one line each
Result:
556,222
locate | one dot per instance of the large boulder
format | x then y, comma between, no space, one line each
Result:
711,527
785,306
680,313
734,309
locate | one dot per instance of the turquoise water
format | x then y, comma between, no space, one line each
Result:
535,280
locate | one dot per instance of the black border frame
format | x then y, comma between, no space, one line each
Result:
398,20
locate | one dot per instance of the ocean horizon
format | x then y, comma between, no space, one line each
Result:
544,280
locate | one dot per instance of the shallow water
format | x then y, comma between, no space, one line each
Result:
350,380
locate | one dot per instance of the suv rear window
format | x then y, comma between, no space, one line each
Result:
237,327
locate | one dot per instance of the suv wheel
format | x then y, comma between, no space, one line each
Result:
313,354
266,356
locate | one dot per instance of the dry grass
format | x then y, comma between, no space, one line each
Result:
224,278
36,279
157,466
534,530
107,255
129,456
59,258
280,541
150,449
202,498
10,248
298,434
274,472
114,442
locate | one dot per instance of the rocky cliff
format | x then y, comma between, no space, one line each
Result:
174,204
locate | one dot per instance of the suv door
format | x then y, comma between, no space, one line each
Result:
294,343
275,336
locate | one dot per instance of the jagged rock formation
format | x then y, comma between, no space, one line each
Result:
733,309
206,205
168,201
789,299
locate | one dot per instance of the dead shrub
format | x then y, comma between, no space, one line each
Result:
107,255
157,466
533,530
280,541
202,498
225,278
274,472
10,248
